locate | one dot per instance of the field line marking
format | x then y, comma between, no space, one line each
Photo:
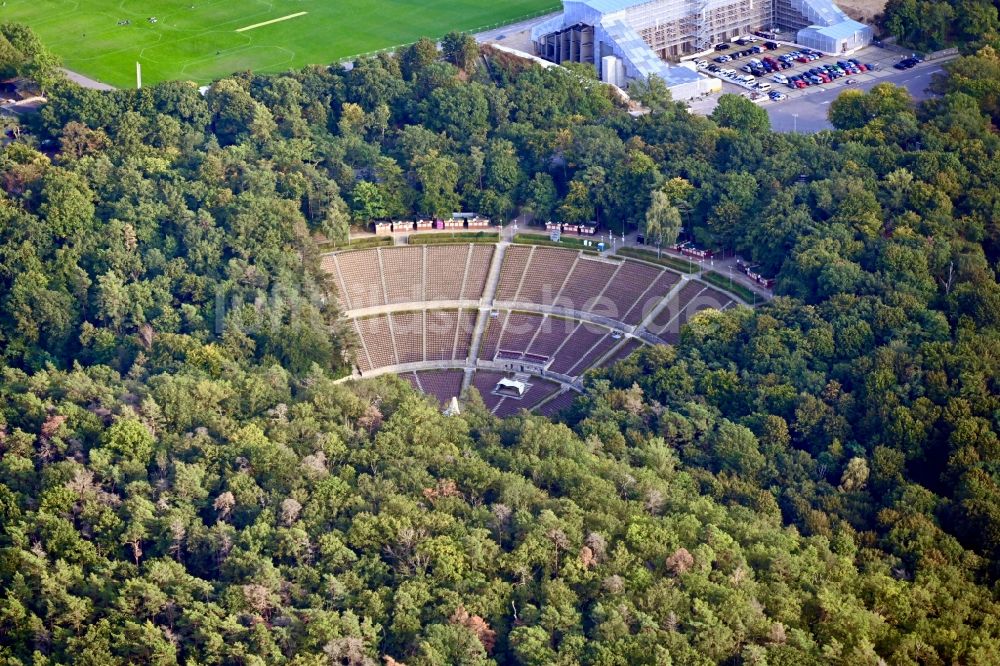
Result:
277,20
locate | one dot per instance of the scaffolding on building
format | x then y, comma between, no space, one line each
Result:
673,28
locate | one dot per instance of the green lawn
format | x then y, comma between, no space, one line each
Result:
732,287
198,39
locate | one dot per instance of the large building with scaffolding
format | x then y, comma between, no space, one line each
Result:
629,39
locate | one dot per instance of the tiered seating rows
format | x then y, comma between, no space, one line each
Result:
629,283
403,274
442,384
706,299
552,333
580,341
603,346
443,264
545,275
623,352
485,381
647,301
408,330
538,391
678,303
377,337
479,270
519,329
362,278
515,263
568,279
585,283
385,276
558,403
491,336
566,342
439,343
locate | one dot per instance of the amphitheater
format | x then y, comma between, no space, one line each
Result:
447,317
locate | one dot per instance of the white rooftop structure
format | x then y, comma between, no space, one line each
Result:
634,38
452,409
511,386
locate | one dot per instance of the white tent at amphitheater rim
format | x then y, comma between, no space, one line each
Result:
632,39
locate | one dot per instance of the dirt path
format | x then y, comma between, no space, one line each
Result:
862,10
86,82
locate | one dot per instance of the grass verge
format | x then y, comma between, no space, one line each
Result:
722,282
204,41
458,237
663,260
567,242
358,244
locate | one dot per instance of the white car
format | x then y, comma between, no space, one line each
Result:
779,78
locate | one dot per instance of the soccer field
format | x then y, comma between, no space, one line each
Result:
203,40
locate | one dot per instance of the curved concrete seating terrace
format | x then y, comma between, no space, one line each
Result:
446,317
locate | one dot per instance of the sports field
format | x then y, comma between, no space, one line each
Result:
206,39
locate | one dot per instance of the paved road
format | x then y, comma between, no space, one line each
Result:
806,110
86,82
504,32
807,113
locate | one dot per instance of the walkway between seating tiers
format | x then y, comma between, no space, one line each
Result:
565,381
485,305
587,317
664,303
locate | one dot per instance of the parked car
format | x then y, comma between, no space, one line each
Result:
779,78
872,66
722,47
721,59
777,96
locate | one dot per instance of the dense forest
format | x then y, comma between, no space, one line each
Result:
928,25
182,482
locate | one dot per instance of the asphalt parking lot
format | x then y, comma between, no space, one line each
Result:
805,110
